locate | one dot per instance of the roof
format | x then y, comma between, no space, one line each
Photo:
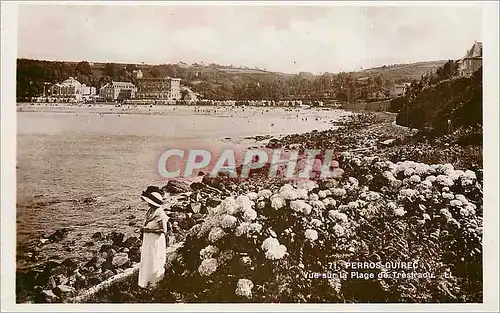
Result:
71,82
475,52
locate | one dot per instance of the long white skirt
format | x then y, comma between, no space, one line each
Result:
153,259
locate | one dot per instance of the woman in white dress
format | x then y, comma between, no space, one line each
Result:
154,248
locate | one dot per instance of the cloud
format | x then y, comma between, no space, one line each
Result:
285,38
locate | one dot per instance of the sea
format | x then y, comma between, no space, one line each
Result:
83,168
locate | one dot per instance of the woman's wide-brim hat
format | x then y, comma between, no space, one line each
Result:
153,195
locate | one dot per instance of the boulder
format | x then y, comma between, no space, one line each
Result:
59,235
134,254
131,217
105,248
132,223
89,243
120,260
70,264
91,262
97,236
107,274
175,186
64,291
116,238
130,242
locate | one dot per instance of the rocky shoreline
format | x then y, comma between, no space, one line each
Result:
360,136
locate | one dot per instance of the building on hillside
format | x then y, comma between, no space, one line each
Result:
159,88
71,90
472,60
118,91
188,95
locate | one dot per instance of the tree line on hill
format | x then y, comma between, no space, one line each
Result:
213,81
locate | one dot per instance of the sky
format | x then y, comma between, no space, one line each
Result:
281,38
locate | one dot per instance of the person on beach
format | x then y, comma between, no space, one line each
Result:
154,248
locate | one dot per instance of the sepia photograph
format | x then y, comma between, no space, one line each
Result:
240,153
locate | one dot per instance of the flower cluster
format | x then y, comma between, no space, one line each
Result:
273,249
244,288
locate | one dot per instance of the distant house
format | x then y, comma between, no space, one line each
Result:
118,91
472,60
159,88
71,90
188,95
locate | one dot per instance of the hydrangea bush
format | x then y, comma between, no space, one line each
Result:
260,246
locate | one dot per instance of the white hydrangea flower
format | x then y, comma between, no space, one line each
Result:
426,216
399,211
457,203
229,206
371,196
208,267
252,196
326,201
311,234
278,203
301,206
228,221
389,176
422,169
409,172
426,184
446,213
249,215
353,205
392,206
328,192
215,234
338,230
468,178
242,229
269,242
445,189
301,193
407,193
444,180
471,208
273,249
255,227
447,195
307,185
322,194
353,181
244,203
265,194
313,197
431,178
464,212
337,216
261,205
462,198
276,253
208,252
316,223
319,205
288,193
415,179
244,288
339,192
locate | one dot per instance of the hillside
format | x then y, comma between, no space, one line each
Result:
405,72
458,99
225,82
